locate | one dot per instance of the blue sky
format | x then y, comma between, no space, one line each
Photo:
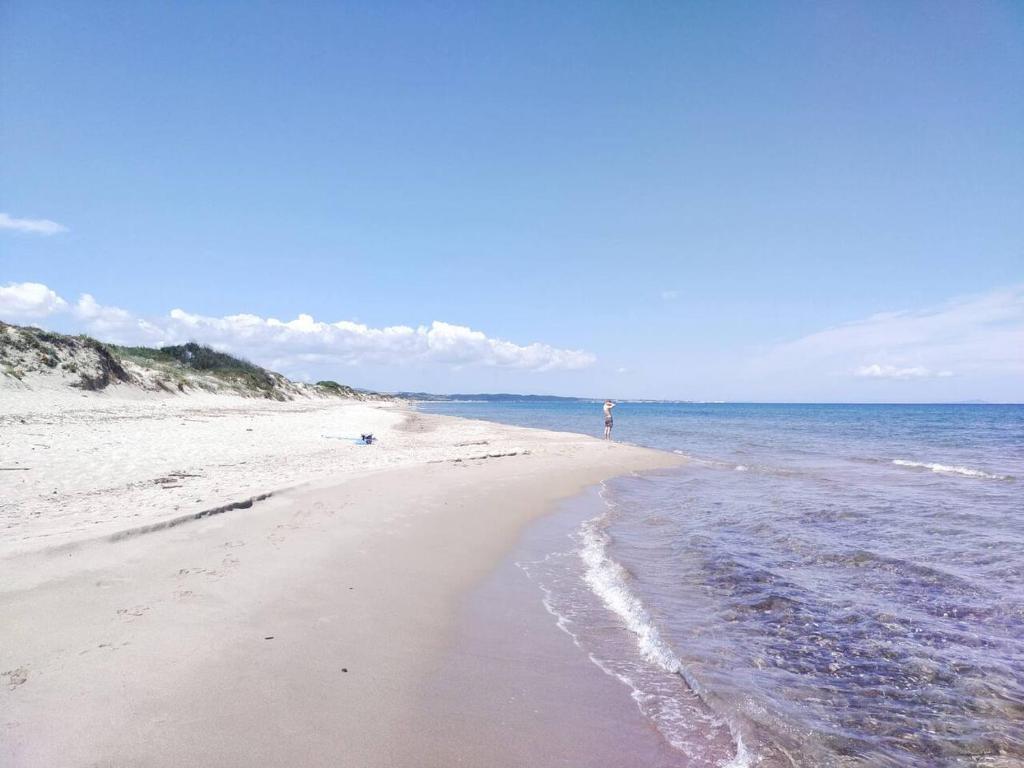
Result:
756,201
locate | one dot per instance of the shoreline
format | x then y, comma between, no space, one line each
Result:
300,630
516,681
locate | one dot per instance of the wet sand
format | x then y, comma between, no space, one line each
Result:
514,685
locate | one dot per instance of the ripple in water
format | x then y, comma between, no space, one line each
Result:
827,636
583,589
832,604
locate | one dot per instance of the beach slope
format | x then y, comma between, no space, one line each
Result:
296,631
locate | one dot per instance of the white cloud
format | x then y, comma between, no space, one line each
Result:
306,339
976,337
90,310
118,325
31,226
293,344
29,301
877,371
669,295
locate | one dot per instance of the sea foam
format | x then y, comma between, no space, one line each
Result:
609,581
950,470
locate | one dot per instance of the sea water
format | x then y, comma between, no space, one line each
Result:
819,585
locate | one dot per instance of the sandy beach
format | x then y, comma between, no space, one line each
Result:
301,629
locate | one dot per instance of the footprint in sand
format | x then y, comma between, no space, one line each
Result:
322,507
233,544
230,562
15,677
130,613
184,594
111,646
199,572
108,583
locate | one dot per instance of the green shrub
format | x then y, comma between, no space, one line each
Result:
334,388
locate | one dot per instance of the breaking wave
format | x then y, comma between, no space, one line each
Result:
946,469
608,580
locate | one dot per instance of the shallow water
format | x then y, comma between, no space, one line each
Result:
819,586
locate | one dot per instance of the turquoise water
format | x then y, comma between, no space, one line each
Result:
820,585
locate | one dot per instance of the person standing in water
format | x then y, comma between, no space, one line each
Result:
608,405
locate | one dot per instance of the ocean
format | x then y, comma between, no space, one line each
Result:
819,585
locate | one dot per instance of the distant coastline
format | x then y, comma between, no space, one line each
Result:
507,397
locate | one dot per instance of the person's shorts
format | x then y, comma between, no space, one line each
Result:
607,422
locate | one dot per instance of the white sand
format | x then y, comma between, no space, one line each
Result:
76,466
153,650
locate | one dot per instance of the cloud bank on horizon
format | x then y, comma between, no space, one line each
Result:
964,342
289,345
970,336
876,371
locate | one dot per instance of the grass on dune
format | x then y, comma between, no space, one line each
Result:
200,357
27,349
